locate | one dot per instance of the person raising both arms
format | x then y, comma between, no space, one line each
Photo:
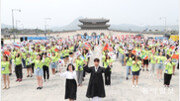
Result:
95,89
28,64
129,57
71,85
18,66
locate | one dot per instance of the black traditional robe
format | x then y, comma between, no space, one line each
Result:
96,83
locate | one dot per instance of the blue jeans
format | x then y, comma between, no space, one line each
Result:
160,66
38,72
53,65
127,70
122,59
23,62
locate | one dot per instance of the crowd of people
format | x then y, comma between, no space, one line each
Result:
74,53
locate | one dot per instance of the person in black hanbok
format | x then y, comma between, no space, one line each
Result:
96,84
71,85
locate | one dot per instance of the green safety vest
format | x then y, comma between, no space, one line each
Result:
38,64
168,68
5,67
137,66
79,65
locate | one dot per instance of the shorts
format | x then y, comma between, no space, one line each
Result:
145,62
53,65
5,74
62,57
160,66
38,72
136,73
28,66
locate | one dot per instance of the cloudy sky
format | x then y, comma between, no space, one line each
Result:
62,12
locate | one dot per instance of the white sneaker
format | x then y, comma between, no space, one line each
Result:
133,86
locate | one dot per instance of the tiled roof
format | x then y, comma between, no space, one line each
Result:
94,20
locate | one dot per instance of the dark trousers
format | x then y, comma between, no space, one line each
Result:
107,78
84,73
46,72
23,63
178,66
167,78
18,71
117,55
33,67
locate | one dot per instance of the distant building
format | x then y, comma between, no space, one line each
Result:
99,23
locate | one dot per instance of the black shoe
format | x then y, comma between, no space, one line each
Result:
126,78
147,69
28,76
143,70
38,87
128,73
31,76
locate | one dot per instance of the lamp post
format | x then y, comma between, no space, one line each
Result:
13,21
17,21
164,18
45,26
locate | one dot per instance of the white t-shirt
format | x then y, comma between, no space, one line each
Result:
68,75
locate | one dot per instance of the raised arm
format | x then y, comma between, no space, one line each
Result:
87,69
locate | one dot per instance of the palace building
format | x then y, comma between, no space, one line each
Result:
88,24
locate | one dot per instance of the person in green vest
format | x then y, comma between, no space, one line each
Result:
18,66
10,60
160,65
28,61
153,61
38,71
168,71
79,70
174,61
136,67
145,54
54,59
5,70
129,57
71,50
66,54
121,51
108,65
46,63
